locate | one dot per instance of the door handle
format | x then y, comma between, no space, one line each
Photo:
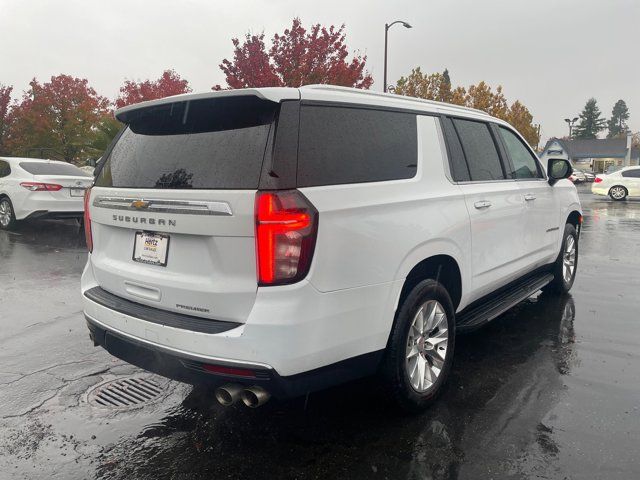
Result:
529,196
482,204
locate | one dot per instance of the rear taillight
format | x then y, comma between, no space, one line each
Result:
286,230
41,187
597,180
87,220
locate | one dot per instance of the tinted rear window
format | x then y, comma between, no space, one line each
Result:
350,145
205,144
43,168
635,173
480,150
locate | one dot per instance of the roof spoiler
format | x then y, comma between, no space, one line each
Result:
274,94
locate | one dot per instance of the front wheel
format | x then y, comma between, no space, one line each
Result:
420,350
564,269
618,193
7,217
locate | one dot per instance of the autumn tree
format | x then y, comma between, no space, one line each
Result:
169,83
591,121
58,117
5,100
437,86
617,124
296,57
521,119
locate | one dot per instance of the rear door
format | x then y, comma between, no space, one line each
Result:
541,218
494,203
631,180
172,209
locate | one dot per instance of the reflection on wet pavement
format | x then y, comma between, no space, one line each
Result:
549,390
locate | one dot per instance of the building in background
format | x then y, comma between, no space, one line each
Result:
593,154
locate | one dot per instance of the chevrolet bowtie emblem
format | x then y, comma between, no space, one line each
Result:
140,204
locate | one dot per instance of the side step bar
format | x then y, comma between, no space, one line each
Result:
476,316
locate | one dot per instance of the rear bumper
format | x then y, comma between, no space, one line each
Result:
294,332
598,190
189,368
46,205
45,214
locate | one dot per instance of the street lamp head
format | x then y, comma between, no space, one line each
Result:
575,119
406,25
567,120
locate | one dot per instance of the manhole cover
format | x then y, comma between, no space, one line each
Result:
125,393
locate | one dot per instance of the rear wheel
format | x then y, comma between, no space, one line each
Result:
7,217
618,192
564,269
420,350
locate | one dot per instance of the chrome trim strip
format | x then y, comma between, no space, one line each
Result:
175,351
187,207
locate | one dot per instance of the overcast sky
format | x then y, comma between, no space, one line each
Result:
550,54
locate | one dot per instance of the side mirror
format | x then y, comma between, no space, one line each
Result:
557,169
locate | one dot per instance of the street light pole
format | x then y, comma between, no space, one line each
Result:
571,122
387,26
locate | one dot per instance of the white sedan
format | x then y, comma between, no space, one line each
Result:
618,185
34,188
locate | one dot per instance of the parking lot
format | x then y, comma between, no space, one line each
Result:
549,390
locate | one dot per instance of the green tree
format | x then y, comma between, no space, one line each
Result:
591,121
105,131
618,122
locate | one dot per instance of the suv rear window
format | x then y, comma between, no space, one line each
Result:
44,168
204,144
341,145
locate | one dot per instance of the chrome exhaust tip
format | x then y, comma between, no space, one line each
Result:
229,394
254,397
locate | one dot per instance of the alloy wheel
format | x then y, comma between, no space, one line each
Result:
5,213
569,258
426,346
618,193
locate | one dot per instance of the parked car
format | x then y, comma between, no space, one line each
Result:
32,188
618,185
588,176
577,176
276,241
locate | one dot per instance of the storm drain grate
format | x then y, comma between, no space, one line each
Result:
125,393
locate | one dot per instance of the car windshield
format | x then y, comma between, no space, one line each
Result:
45,168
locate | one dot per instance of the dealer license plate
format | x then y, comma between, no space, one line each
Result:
151,248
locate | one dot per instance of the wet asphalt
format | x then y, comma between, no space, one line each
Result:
549,390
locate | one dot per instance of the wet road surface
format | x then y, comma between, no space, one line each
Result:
549,390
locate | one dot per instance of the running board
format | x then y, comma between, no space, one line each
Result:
477,316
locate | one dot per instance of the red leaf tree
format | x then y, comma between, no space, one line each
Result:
56,119
297,57
5,100
169,83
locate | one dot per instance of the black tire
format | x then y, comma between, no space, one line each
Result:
618,197
395,368
560,283
5,203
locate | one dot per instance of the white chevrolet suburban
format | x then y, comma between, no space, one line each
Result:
276,241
